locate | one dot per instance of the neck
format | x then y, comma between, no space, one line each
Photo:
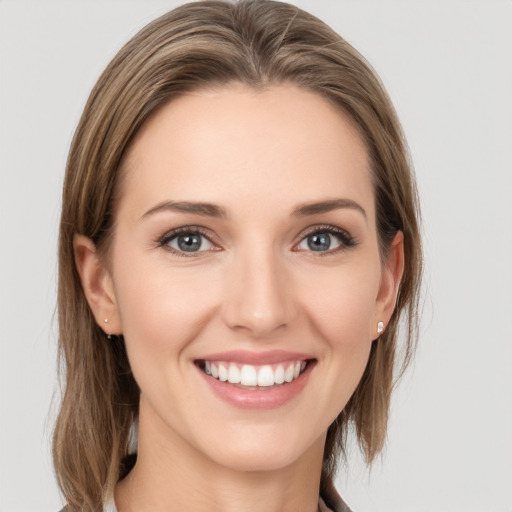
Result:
171,475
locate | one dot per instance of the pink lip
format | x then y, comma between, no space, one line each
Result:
260,398
256,358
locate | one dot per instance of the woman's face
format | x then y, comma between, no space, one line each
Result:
245,248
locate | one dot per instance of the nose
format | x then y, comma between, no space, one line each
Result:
259,295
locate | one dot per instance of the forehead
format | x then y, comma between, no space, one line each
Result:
235,143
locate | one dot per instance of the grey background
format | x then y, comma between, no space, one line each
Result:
447,66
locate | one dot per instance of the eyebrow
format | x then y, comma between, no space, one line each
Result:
213,210
197,208
327,206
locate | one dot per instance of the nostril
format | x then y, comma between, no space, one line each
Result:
258,302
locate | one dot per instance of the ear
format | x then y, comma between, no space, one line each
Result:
392,271
97,285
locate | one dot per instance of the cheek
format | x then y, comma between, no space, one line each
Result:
341,304
341,308
161,311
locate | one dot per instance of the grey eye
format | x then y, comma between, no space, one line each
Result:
320,241
190,242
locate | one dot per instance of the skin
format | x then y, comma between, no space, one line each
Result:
257,286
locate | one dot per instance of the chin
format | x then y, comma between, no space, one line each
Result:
264,450
256,460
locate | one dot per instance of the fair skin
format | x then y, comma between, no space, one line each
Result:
281,266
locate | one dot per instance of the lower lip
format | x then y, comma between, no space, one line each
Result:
261,398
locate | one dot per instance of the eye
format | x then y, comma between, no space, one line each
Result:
187,241
327,239
319,242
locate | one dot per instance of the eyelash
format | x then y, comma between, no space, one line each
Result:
346,240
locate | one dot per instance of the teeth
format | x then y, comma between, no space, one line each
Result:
288,374
233,374
279,374
249,375
223,373
266,376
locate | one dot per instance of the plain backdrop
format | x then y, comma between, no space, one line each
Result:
448,68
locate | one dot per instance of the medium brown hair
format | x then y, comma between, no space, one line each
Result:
202,44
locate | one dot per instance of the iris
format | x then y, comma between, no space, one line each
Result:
189,243
319,241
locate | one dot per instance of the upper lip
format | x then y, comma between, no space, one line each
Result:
256,358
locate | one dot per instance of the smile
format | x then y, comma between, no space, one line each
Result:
251,376
256,380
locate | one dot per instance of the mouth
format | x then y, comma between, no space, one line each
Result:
255,377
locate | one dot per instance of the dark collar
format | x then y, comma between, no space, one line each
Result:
333,500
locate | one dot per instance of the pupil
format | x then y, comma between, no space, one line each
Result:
189,243
319,242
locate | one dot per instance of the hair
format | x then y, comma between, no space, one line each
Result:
198,45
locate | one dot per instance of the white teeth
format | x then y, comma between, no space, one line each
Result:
248,376
288,374
266,376
279,374
233,374
223,373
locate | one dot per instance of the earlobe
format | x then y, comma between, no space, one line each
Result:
392,271
97,285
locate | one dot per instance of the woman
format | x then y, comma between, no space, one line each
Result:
239,239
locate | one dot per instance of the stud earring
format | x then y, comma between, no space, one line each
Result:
109,336
380,327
